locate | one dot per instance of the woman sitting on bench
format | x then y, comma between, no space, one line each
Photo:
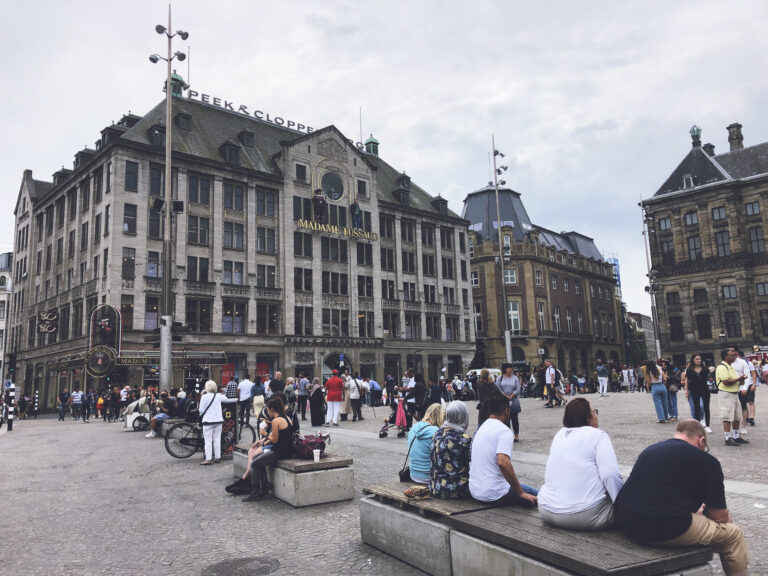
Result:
450,453
582,477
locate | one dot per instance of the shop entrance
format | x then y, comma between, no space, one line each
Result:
336,361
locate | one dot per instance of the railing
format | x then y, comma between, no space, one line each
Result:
153,283
193,287
519,333
365,303
412,305
235,290
91,287
77,291
432,307
452,309
388,304
269,293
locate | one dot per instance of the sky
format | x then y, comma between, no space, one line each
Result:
591,102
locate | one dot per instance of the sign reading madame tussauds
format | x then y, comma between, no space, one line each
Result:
338,230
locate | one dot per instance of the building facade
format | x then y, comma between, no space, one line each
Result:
294,251
641,342
6,288
706,235
557,292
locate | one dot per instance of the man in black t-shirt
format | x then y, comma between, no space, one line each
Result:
63,403
675,497
277,384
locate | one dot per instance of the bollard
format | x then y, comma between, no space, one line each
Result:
37,401
10,401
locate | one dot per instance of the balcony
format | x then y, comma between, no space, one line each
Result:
235,290
432,307
193,287
91,287
452,309
388,304
412,305
519,333
269,293
77,291
365,303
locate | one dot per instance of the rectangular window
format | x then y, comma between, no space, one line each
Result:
412,326
365,324
471,248
428,264
577,286
541,315
233,196
156,224
335,283
362,188
691,218
198,229
386,226
409,291
156,180
333,249
449,295
232,273
446,268
756,241
151,314
433,327
700,295
580,321
553,279
84,236
265,276
199,190
566,285
539,278
388,290
723,243
233,236
197,269
302,244
446,239
668,251
510,276
337,216
407,230
198,314
388,259
365,286
556,317
694,248
462,243
673,298
301,172
129,218
97,229
427,234
718,213
302,279
64,323
335,322
569,320
430,295
129,263
85,198
704,326
154,265
762,288
105,262
265,203
409,262
475,278
595,324
72,200
131,175
302,319
391,323
729,292
733,324
507,245
302,208
233,317
267,319
265,240
477,315
665,224
752,208
364,254
106,220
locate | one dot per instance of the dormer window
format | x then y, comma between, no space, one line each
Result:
246,138
687,181
184,121
156,135
440,204
230,153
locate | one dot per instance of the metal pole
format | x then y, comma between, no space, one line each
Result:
654,314
37,401
10,402
507,335
166,321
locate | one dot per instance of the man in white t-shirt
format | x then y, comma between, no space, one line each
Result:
549,380
746,390
244,396
492,477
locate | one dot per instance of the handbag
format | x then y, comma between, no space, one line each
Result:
514,406
304,446
405,471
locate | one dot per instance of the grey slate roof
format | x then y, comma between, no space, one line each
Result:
745,163
480,210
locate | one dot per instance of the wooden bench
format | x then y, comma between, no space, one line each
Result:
447,537
306,482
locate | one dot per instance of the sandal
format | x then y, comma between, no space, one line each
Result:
417,492
205,463
217,461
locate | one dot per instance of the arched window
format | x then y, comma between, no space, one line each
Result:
2,281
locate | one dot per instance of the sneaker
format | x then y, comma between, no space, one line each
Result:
253,497
731,442
709,430
335,424
740,440
743,431
152,434
751,421
327,424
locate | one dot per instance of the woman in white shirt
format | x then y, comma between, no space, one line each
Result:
210,408
582,477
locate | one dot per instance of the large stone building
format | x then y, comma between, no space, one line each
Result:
6,287
558,292
707,243
272,270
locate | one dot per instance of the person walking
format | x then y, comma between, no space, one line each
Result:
77,402
63,404
257,395
602,378
509,384
210,409
729,383
355,389
87,402
655,378
696,389
334,389
302,394
244,396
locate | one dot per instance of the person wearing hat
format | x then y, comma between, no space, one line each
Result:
334,389
509,384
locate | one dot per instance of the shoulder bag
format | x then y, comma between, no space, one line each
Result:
405,471
206,411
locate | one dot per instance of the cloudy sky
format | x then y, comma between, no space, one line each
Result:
590,101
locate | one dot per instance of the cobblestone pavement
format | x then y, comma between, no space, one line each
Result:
99,499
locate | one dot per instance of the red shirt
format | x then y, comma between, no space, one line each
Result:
334,388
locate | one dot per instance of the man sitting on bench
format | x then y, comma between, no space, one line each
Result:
675,497
491,475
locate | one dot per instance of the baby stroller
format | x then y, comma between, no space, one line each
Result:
397,419
137,415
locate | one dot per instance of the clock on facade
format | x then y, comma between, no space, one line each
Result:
333,188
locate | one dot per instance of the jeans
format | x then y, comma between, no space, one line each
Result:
511,498
62,411
660,402
245,411
302,400
357,412
699,401
672,404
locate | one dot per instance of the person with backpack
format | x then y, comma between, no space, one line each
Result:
257,395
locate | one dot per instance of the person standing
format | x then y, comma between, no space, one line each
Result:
334,389
77,402
729,383
509,384
316,403
375,389
257,395
87,402
356,390
277,384
696,389
747,389
63,404
210,409
602,378
231,388
302,394
656,378
389,385
549,379
244,393
626,382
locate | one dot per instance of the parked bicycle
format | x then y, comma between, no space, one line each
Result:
186,438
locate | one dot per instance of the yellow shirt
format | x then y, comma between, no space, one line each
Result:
725,372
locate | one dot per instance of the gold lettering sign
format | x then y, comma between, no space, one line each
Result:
338,231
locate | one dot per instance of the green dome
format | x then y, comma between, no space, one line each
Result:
371,140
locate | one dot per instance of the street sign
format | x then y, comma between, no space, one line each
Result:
8,383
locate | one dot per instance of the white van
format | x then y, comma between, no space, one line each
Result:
494,372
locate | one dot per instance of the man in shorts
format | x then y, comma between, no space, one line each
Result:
729,383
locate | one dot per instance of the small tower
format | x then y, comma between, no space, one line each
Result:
177,85
372,146
695,133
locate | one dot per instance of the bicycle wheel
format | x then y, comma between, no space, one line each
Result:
247,435
183,440
140,423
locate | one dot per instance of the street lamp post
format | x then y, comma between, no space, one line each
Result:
166,320
497,171
652,287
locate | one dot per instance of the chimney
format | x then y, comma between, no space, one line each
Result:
735,139
709,149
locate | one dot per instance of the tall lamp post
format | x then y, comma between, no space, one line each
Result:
166,320
498,171
653,287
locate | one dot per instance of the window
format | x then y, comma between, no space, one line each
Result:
463,267
551,255
556,318
668,251
105,262
233,317
233,196
265,240
673,298
129,219
199,190
592,290
718,213
265,203
427,234
409,262
507,245
301,172
106,220
267,319
302,208
231,154
388,259
566,285
694,248
151,313
449,295
756,241
539,278
302,279
691,218
428,264
409,291
108,173
704,326
477,315
335,283
85,201
302,244
407,230
553,278
64,323
131,175
84,236
197,269
198,229
462,243
156,181
413,326
232,273
233,236
265,276
365,324
723,243
362,188
471,248
386,226
733,324
595,324
752,208
97,229
337,216
510,276
302,319
542,316
577,286
364,254
388,290
433,327
446,239
72,199
333,249
391,321
335,322
600,291
198,314
676,333
475,279
700,295
430,295
762,288
156,223
154,265
129,263
569,320
665,224
513,311
580,321
729,292
764,321
447,268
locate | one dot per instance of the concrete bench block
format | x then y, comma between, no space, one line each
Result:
418,541
240,460
309,488
471,556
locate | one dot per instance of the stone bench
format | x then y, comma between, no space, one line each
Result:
164,425
460,537
306,482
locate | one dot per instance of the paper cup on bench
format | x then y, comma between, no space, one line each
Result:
316,454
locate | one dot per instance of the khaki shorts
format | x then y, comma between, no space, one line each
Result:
730,407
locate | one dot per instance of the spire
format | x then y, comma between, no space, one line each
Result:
695,132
